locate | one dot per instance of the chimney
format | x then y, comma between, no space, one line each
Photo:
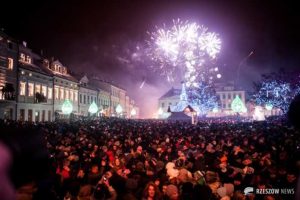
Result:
46,63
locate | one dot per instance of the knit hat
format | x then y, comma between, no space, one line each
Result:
221,191
184,175
171,190
211,177
170,165
229,188
172,173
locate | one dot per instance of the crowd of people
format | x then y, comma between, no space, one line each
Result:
121,159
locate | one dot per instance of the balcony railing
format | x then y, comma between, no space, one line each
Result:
8,97
40,98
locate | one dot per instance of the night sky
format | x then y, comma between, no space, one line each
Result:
99,36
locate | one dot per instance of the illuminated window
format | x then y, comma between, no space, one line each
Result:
1,94
22,88
49,93
10,63
37,88
71,95
61,93
30,89
56,93
28,59
22,57
65,71
44,90
75,96
66,94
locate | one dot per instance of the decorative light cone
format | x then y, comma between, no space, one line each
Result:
244,110
237,105
119,109
133,112
93,108
269,106
67,107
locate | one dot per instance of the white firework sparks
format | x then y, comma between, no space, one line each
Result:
184,52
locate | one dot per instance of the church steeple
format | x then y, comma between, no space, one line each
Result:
183,95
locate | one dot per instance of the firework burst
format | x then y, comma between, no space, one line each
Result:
184,52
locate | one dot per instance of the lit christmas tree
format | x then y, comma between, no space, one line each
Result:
237,105
203,98
274,93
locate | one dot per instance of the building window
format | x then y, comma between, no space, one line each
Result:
43,115
10,45
84,99
229,96
37,116
22,115
28,59
22,88
1,94
75,96
22,57
30,115
224,96
88,99
56,95
66,94
162,105
10,63
49,115
37,88
49,93
80,98
61,93
30,89
44,91
71,95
